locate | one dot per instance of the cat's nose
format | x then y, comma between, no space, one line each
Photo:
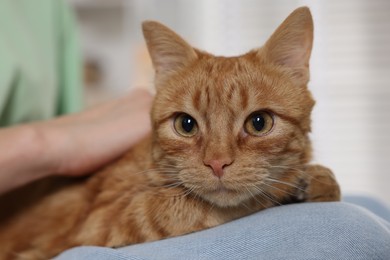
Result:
218,165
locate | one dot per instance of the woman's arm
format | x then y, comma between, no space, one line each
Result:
73,145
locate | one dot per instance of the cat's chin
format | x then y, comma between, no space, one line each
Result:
223,197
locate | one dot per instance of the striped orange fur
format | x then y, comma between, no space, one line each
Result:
218,166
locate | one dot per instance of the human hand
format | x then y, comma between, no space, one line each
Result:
73,145
91,139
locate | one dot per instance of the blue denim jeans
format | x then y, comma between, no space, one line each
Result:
335,230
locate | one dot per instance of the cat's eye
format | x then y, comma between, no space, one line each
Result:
185,125
259,123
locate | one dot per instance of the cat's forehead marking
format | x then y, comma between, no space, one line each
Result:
244,98
220,93
226,84
196,99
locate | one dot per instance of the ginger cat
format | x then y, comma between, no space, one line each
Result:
230,137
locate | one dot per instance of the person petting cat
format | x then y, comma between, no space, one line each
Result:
73,145
40,78
229,138
229,142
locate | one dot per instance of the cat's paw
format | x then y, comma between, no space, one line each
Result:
319,184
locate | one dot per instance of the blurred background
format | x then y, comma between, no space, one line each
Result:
350,66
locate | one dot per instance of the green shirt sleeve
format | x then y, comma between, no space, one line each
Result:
70,72
40,63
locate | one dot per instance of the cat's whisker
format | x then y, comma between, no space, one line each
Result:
197,195
266,195
211,207
172,166
125,177
286,183
189,191
289,168
246,206
172,185
274,187
166,164
254,197
301,171
170,195
151,170
322,181
285,167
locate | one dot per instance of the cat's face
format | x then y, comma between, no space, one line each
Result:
229,128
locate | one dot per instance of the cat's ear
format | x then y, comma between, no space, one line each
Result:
290,45
169,52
